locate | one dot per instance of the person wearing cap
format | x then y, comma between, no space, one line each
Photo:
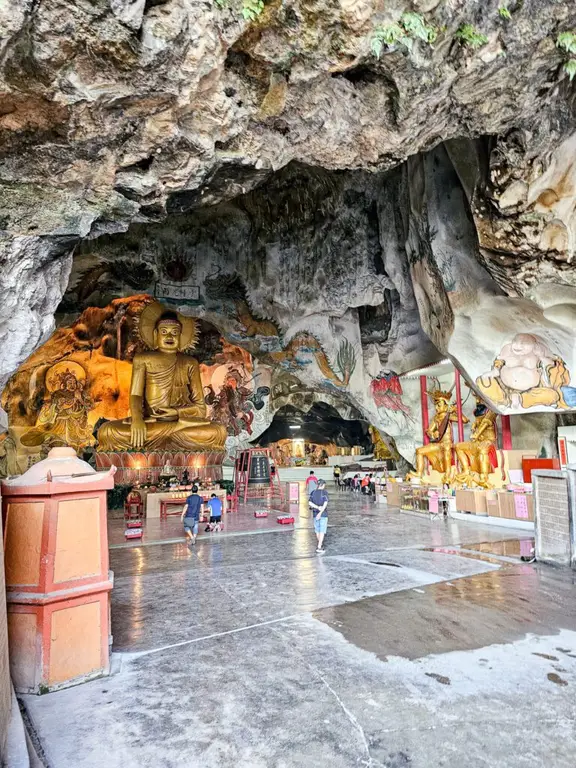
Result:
319,503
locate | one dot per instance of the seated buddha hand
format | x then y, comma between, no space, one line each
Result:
137,432
165,414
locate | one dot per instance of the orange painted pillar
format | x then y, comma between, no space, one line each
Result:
57,578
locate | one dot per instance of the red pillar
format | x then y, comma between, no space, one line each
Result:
459,406
506,433
424,401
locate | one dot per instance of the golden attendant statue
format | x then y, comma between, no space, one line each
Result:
439,451
477,457
167,405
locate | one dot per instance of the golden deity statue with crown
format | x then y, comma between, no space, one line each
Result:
167,408
439,450
477,457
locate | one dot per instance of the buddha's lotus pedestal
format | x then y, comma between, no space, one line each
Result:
134,467
57,579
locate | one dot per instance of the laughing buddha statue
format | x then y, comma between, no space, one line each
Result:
167,405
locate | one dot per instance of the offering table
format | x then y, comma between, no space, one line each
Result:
175,500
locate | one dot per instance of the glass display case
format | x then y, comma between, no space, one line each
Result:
415,498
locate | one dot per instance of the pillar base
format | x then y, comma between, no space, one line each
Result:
55,645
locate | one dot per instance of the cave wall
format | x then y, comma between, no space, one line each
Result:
536,432
518,358
291,272
338,281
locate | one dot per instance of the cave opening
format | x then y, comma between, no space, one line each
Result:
316,434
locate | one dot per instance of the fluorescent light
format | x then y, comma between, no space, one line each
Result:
438,369
294,426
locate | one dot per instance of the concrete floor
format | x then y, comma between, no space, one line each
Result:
156,531
410,643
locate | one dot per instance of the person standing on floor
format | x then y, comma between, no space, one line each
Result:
311,483
337,473
372,485
319,504
191,515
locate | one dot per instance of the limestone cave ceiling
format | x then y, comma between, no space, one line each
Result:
381,211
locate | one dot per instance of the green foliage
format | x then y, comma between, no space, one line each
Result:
389,34
117,496
415,26
504,13
567,41
410,27
221,3
570,68
226,485
251,9
469,35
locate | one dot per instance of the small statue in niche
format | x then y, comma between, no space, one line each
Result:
439,451
63,417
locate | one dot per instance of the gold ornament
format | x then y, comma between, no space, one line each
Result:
477,457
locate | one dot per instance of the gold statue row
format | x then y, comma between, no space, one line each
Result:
476,458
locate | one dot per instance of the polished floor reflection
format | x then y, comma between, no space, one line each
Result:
411,642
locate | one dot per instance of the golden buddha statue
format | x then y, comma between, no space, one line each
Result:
477,457
439,451
167,405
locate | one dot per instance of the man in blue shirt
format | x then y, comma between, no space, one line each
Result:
319,502
215,507
191,515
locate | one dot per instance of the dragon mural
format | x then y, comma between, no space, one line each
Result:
229,288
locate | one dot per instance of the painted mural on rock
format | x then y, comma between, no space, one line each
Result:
526,374
387,393
81,376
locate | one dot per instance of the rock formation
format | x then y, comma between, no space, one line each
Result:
417,203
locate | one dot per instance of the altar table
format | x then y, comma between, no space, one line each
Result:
153,500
